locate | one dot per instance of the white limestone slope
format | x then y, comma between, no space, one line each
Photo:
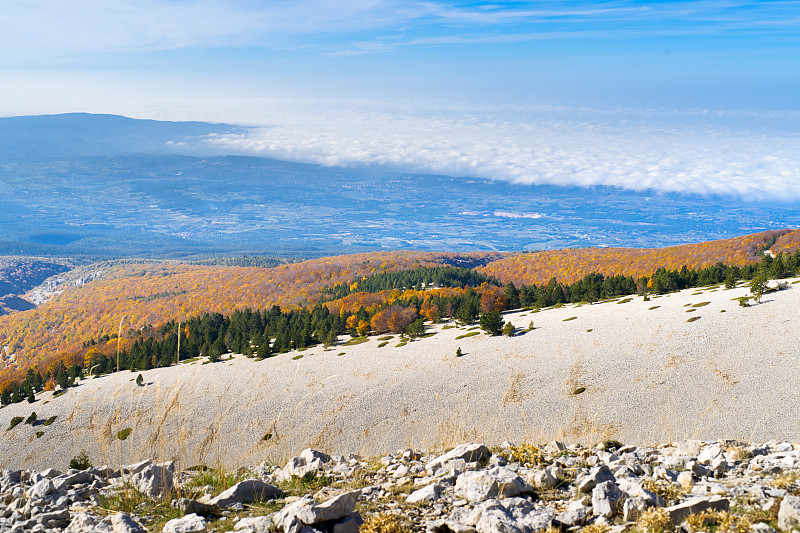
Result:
649,376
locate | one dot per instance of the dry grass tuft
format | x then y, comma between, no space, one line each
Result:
595,528
667,491
654,521
740,453
385,523
789,482
719,522
526,454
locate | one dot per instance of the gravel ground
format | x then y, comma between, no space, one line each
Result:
649,376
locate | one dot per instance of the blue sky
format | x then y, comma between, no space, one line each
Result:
727,68
716,54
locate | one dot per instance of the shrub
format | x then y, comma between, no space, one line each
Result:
15,422
123,434
416,328
80,461
459,353
49,420
509,329
758,286
39,434
139,380
31,418
492,322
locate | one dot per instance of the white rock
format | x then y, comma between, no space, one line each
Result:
307,512
510,515
635,489
431,493
689,448
254,524
249,490
348,524
498,482
605,497
678,512
154,480
685,479
761,527
118,523
543,478
597,475
789,513
401,471
41,489
633,508
709,453
467,452
191,523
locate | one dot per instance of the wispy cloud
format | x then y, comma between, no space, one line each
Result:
34,29
707,153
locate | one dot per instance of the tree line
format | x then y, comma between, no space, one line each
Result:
266,332
444,276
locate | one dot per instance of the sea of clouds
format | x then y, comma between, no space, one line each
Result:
752,155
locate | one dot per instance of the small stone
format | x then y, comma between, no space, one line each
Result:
543,478
633,508
431,493
597,475
188,506
679,512
41,489
348,524
574,517
685,480
689,448
256,524
250,490
401,471
605,497
467,452
493,483
191,523
154,480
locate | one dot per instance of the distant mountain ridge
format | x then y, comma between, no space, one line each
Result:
86,134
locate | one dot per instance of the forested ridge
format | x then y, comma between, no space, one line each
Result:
262,333
383,291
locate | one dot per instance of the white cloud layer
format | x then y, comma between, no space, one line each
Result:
749,155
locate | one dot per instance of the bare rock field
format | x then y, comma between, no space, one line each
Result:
688,365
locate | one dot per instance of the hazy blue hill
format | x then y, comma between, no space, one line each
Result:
84,134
